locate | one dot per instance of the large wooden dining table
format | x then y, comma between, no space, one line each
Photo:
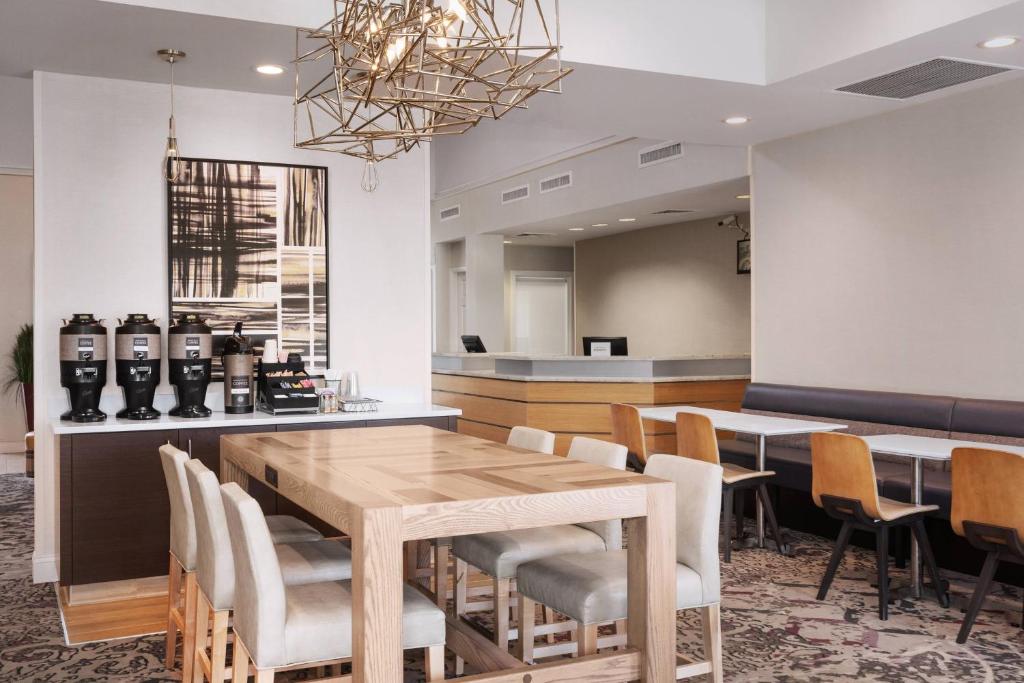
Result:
389,485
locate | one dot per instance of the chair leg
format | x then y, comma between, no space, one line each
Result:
620,630
434,663
202,620
727,506
711,620
769,515
527,617
988,571
173,597
441,576
741,500
239,663
501,625
264,676
189,640
837,556
882,558
588,640
219,646
929,561
549,618
461,584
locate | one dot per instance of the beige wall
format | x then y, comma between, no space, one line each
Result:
887,252
672,290
16,266
531,259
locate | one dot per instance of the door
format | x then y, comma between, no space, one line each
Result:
458,300
542,313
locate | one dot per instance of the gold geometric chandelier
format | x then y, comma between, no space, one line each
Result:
383,75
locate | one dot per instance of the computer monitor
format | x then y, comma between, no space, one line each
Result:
473,343
605,346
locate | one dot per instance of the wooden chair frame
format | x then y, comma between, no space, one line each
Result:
211,643
853,516
181,616
999,543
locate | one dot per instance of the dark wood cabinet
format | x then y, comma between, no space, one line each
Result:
114,511
120,520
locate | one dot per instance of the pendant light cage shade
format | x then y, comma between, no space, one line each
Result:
172,153
384,75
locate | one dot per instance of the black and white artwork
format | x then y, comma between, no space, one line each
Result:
248,242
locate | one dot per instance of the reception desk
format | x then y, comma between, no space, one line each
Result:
569,395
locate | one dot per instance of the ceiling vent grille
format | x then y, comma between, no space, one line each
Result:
515,194
451,212
667,211
660,153
535,234
558,182
935,74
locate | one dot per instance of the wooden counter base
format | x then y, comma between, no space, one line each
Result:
491,407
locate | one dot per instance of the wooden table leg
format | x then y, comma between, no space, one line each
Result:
652,584
377,596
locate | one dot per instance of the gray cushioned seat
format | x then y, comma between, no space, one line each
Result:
500,553
319,621
592,587
288,529
314,561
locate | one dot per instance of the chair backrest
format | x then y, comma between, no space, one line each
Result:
628,429
215,564
841,466
987,486
532,439
183,523
698,503
605,454
260,606
695,438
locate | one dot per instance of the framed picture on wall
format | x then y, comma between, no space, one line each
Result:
743,257
247,241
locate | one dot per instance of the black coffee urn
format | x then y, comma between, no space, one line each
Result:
189,354
137,362
83,366
238,364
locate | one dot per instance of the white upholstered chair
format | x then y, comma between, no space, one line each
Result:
527,438
287,627
301,562
592,588
181,609
500,553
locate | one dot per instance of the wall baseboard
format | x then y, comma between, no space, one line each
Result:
44,568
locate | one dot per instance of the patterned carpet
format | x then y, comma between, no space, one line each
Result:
774,629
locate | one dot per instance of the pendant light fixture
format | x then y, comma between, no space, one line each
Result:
172,155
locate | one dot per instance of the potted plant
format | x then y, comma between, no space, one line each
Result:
19,372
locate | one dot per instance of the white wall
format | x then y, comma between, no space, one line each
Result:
16,266
886,251
101,232
15,124
672,290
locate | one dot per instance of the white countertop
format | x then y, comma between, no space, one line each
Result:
612,359
491,374
744,423
386,411
928,447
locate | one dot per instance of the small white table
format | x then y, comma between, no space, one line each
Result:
919,449
760,426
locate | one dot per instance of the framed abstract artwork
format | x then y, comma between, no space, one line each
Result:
743,257
247,242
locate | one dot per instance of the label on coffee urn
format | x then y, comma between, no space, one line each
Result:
240,386
85,348
191,343
140,346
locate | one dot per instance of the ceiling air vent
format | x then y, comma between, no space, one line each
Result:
667,211
451,212
935,74
515,194
660,153
558,182
535,234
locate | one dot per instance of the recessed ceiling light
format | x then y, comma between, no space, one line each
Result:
599,225
269,69
1001,41
743,196
575,229
627,220
736,120
508,241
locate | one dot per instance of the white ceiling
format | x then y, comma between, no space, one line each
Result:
704,202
